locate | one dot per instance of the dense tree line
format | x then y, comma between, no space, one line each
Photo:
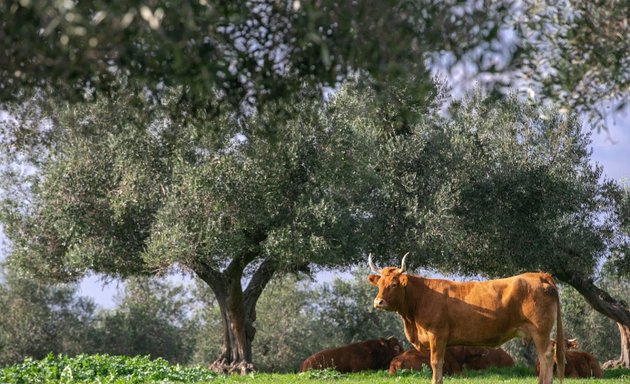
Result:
296,317
154,317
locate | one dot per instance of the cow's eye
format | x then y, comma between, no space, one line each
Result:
394,285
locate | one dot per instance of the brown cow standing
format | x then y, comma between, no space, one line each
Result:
455,359
579,364
361,356
437,313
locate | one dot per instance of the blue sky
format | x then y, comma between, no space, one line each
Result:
612,149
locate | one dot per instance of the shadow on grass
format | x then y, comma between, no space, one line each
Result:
617,373
493,375
511,372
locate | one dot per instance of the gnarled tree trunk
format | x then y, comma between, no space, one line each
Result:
238,310
624,359
238,333
602,302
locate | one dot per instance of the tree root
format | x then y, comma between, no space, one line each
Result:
611,364
222,366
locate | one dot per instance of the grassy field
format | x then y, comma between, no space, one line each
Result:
104,369
513,376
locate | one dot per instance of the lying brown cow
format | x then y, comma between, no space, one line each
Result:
415,360
437,313
582,364
579,364
478,358
365,355
455,359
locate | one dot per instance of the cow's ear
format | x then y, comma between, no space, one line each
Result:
373,279
403,280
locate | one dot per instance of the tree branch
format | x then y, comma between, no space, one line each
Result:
599,299
257,284
212,277
240,261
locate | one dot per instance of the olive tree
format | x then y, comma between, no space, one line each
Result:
500,187
595,332
493,187
115,190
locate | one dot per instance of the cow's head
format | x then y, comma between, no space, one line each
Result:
391,282
570,343
392,344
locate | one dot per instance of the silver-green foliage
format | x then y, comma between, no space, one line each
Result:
498,187
39,318
152,317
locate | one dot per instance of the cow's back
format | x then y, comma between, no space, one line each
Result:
500,358
341,359
349,358
412,360
486,313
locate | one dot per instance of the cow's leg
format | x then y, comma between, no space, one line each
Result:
438,350
544,350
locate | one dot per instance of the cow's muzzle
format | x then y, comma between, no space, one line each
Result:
379,303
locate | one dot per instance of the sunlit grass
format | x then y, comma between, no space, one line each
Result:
107,369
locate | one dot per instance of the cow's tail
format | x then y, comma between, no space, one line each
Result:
561,344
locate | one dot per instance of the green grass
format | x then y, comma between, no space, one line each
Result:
104,369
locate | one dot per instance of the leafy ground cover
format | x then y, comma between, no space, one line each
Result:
105,369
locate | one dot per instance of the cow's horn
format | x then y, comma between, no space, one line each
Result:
372,267
403,265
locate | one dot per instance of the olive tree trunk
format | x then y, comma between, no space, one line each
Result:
238,334
624,359
238,311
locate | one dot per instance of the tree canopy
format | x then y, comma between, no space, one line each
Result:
501,187
250,52
577,53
